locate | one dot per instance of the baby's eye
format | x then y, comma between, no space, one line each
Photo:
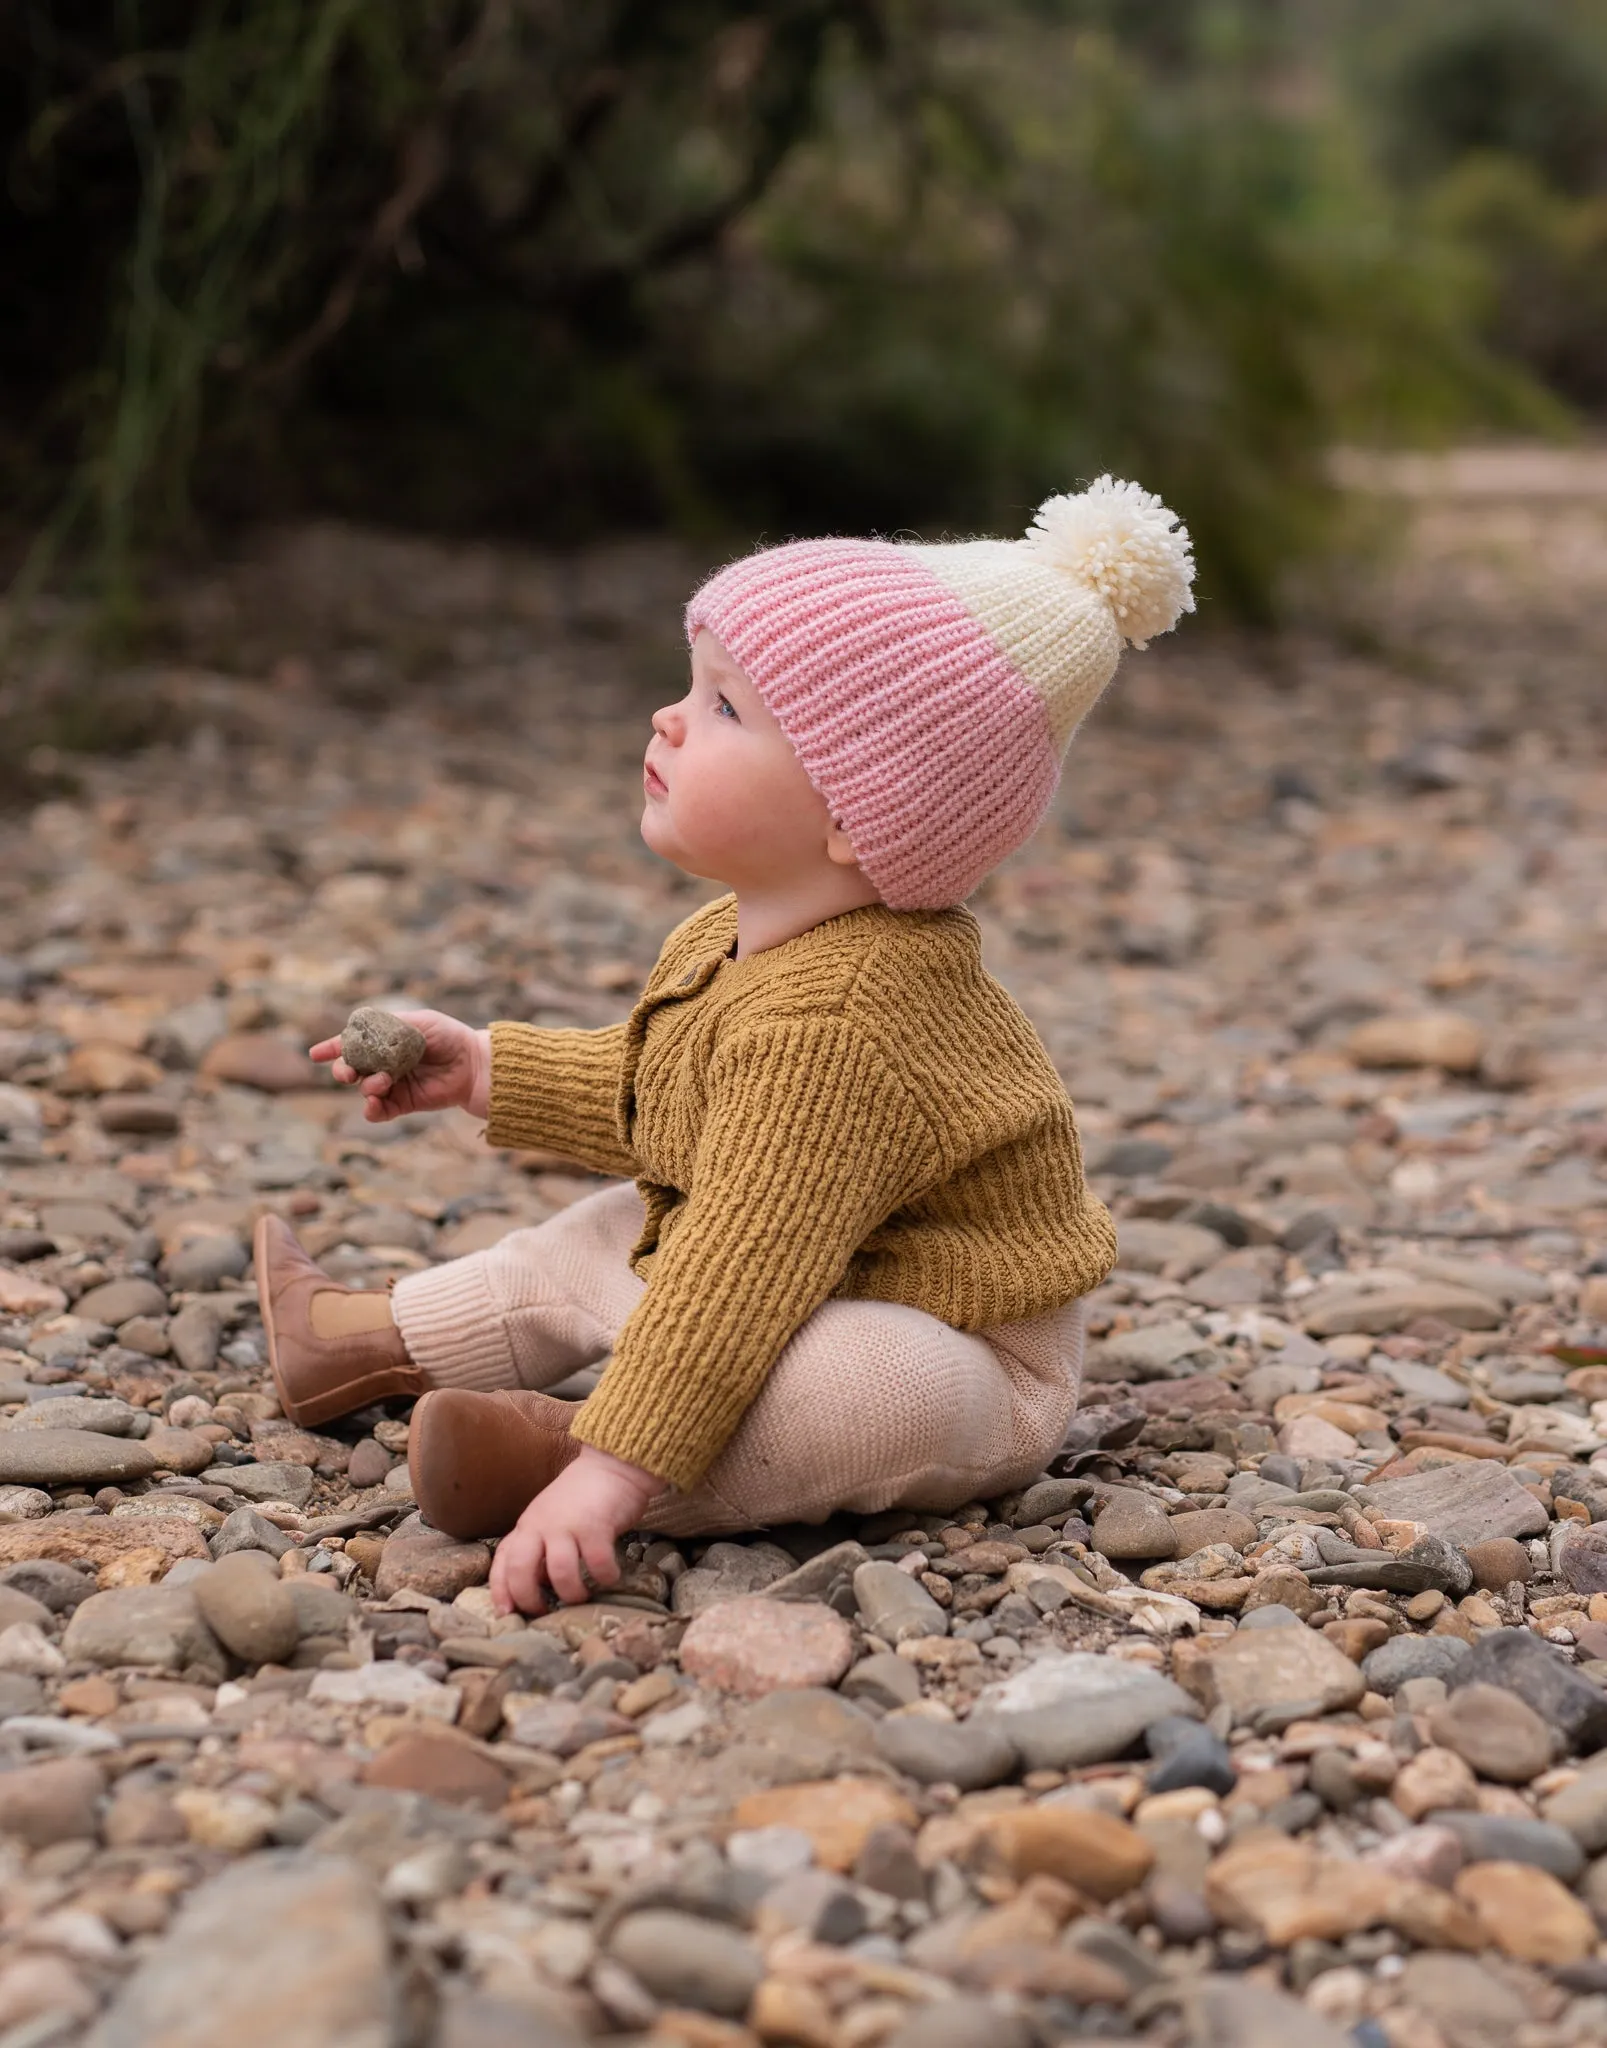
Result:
723,707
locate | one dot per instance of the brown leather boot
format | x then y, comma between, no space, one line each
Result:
478,1460
320,1377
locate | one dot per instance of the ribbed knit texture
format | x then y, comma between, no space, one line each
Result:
930,691
861,1112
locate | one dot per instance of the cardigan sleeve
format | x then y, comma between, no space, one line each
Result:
808,1144
559,1091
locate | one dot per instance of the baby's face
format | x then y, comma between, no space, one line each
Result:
727,798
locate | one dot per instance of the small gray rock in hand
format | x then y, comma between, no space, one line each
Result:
375,1042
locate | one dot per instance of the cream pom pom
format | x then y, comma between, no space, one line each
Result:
1120,540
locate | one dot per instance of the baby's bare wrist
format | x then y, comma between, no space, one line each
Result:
478,1100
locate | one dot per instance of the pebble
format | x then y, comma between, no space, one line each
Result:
71,1457
686,1961
1496,1562
1187,1753
752,1646
248,1608
370,1461
838,1815
1582,1559
198,1267
887,1680
375,1042
1581,1808
1378,1310
1472,2007
1128,1524
264,1482
121,1301
1468,1502
51,1802
1433,1781
1520,1662
894,1606
402,1686
1227,2012
1069,1710
234,1822
1511,1838
970,1754
155,1627
245,1529
438,1768
1093,1852
179,1450
1526,1913
1403,1658
1268,1668
1493,1732
282,1946
23,1504
962,2023
1199,1527
423,1560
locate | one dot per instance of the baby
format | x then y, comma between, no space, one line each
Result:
846,1268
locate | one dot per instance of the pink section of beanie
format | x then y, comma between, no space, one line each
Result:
931,749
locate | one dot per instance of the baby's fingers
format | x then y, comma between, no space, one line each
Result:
523,1577
325,1049
602,1565
563,1568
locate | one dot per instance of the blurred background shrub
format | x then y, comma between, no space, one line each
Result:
748,268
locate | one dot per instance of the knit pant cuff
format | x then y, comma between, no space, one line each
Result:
453,1327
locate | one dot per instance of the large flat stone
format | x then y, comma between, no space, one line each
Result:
283,1947
1067,1711
1464,1503
101,1541
1274,1667
157,1627
71,1457
1345,1311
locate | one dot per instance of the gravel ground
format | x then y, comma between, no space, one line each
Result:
1276,1711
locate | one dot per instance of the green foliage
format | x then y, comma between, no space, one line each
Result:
753,267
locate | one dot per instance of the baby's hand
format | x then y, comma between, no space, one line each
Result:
574,1522
455,1072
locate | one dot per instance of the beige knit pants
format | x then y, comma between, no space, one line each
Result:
871,1405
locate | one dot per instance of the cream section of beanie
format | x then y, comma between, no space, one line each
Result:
1096,568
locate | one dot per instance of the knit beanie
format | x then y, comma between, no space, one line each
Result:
930,692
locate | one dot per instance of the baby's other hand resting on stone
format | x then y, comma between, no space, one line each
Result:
565,1538
455,1072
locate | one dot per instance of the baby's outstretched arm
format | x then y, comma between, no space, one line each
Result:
455,1072
566,1536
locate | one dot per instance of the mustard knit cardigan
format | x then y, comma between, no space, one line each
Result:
860,1111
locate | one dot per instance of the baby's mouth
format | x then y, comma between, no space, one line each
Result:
653,781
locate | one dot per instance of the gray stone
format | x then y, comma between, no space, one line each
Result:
322,1609
292,1483
1585,1485
1187,1753
1509,1838
71,1457
1273,1615
1341,1311
687,1961
1582,1558
962,2023
475,2019
375,1042
817,1904
20,1693
887,1680
1129,1524
245,1529
818,1731
1423,1384
894,1606
247,1607
120,1301
1522,1663
80,1411
726,1572
60,1587
158,1627
1049,1500
824,1571
200,1266
195,1333
1264,1670
1494,1732
283,1946
1269,1383
51,1802
1160,1351
1404,1657
1065,1711
1463,1503
1431,1564
1471,2006
1108,1942
1181,1249
1229,2012
971,1754
1581,1808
